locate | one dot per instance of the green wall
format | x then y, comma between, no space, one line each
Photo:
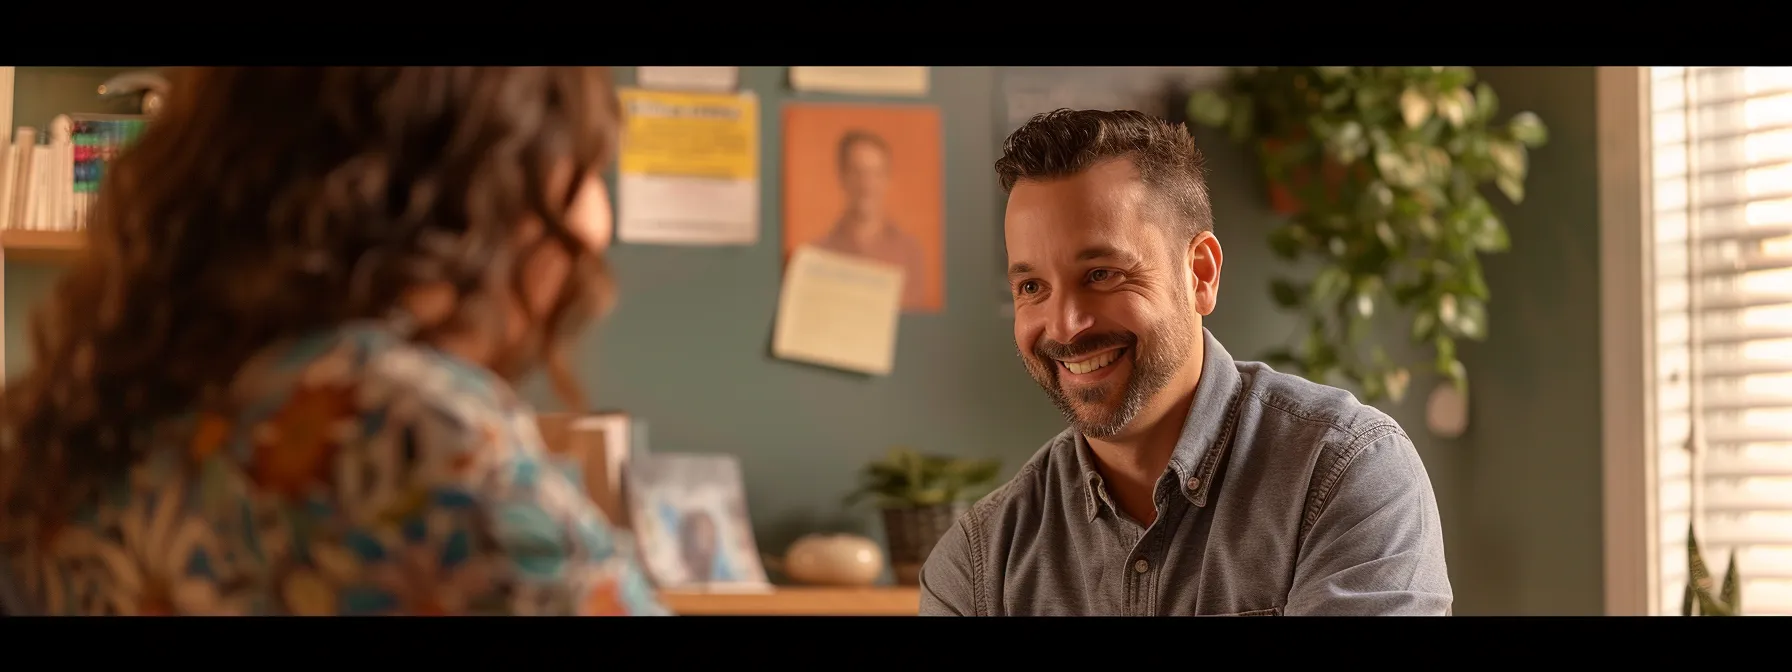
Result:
1526,499
687,351
25,284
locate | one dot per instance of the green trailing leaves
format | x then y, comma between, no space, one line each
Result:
1286,294
1209,107
1391,168
1526,128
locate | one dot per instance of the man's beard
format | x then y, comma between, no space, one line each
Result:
1152,370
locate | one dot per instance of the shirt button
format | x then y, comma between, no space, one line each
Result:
1194,482
1141,566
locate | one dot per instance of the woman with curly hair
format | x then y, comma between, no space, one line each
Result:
280,381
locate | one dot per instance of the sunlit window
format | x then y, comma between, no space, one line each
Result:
1722,170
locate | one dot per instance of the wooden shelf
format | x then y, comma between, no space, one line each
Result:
22,245
798,601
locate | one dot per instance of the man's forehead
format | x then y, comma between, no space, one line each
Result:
1112,188
1065,209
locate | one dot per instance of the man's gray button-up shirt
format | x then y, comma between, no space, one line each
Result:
1282,496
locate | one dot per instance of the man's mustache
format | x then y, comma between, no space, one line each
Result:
1050,349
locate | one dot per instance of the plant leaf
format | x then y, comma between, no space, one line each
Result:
1508,159
1454,106
973,473
1512,188
1731,595
1397,380
1209,107
1471,318
1285,293
905,477
1491,235
1526,128
1415,108
1242,119
1423,323
1456,373
1330,285
1486,102
1286,241
1697,575
930,497
1347,142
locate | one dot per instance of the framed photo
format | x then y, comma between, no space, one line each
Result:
691,524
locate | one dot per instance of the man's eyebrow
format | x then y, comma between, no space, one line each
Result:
1088,254
1103,252
1108,253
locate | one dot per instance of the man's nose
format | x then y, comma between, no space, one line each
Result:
1069,318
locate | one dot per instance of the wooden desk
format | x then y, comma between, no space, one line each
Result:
798,601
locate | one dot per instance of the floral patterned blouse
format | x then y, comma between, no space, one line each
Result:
360,475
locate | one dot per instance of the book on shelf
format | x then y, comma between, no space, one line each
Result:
594,450
49,181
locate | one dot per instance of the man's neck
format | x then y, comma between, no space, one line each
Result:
861,229
1132,463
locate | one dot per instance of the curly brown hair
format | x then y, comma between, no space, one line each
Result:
263,203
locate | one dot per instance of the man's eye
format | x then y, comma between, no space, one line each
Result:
1029,287
1100,275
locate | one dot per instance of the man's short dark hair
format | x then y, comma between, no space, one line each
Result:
856,136
1063,143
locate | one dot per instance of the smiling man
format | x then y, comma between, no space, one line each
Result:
1188,483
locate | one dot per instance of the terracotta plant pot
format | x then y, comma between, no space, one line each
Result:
913,532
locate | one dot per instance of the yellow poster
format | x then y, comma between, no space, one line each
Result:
689,168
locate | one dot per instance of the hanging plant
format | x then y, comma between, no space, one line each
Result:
1381,171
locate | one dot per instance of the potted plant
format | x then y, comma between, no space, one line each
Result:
1381,171
921,496
1699,599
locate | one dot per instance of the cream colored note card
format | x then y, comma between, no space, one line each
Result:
839,311
862,80
715,78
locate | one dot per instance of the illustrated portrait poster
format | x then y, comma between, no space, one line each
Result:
867,180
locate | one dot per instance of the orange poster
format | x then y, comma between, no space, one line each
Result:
866,180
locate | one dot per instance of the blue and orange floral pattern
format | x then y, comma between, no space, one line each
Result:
355,474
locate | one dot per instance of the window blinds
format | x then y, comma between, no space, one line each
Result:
1722,191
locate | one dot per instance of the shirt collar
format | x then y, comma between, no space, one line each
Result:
1206,432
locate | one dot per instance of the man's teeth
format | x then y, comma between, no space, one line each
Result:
1093,363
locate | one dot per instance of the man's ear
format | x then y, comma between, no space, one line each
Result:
1204,262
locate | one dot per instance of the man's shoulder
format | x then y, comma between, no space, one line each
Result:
1031,486
1283,402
